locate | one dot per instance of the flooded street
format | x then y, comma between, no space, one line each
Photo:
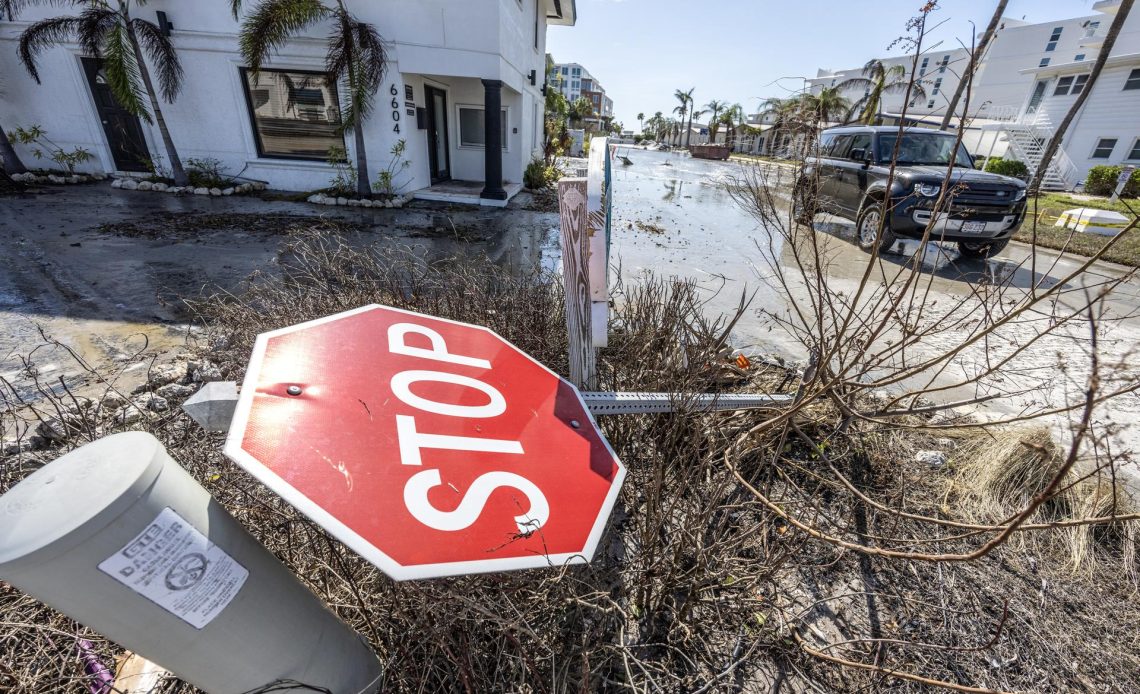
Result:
104,272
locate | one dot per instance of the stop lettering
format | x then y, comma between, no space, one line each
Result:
430,447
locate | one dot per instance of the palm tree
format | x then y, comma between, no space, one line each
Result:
641,122
9,161
119,41
356,54
877,81
714,108
1122,11
580,110
828,105
686,99
733,116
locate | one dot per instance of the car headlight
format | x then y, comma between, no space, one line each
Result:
927,190
1019,195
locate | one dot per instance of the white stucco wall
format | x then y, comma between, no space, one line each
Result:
456,42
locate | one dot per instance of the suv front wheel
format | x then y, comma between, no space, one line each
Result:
868,226
982,249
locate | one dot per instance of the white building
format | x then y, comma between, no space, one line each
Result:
575,81
1106,130
1024,86
448,60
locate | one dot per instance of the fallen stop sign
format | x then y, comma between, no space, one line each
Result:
430,447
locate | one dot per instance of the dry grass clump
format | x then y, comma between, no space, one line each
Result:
1091,547
999,472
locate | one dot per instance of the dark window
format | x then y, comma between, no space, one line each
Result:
295,115
1133,81
1043,63
826,143
471,127
1051,46
1135,153
859,141
1063,85
1079,84
1079,57
1056,35
1104,147
537,21
930,104
840,147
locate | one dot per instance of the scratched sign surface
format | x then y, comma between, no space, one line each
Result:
430,447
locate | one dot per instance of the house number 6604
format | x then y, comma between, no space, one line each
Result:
395,108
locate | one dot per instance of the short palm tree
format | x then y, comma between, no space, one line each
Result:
641,121
356,55
732,117
580,110
877,81
714,108
829,105
119,40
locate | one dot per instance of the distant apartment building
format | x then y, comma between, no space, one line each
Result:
575,81
1024,86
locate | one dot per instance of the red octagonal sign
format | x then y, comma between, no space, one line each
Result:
430,447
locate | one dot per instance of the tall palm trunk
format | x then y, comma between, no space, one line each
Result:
176,170
8,158
362,187
975,57
689,130
1105,50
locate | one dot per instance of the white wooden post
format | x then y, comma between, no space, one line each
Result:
597,196
576,280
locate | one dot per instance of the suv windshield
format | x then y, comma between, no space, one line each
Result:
921,148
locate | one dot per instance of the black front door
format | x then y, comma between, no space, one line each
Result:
124,133
437,134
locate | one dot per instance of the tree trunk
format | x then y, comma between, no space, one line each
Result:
176,170
975,57
1105,50
8,158
363,188
689,130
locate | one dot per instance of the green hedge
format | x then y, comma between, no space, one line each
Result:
1008,167
1102,181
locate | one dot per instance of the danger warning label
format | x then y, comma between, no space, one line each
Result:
174,566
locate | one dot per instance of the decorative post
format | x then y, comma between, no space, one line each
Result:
493,141
576,279
598,199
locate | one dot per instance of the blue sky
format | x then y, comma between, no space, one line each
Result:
642,50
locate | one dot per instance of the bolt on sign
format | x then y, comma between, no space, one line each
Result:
430,447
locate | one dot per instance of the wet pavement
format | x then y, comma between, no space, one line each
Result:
114,298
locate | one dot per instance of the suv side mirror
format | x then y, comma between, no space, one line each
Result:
861,155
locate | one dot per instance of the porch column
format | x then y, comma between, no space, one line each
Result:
493,139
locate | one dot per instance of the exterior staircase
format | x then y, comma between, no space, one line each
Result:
1027,138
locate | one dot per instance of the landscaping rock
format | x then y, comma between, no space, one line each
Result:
216,192
130,184
201,191
204,371
227,191
99,176
315,199
163,374
329,201
342,201
931,458
354,203
366,203
152,402
112,400
117,183
175,391
128,414
59,429
160,187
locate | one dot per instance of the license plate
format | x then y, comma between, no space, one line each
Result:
973,227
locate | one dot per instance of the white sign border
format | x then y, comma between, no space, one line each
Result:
234,451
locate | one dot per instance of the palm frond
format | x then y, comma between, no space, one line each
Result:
855,83
235,7
44,34
10,9
122,70
272,23
95,24
160,50
917,90
356,53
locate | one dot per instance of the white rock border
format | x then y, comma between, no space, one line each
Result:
332,200
33,177
150,187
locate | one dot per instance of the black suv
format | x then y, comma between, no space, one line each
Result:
848,177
